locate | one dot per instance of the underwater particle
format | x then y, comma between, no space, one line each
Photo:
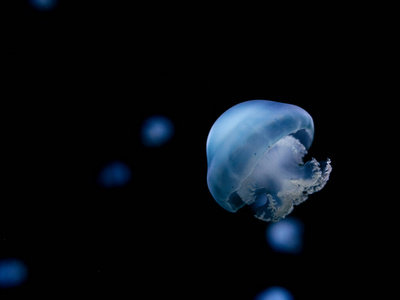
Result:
114,174
156,131
274,293
255,156
43,4
286,236
13,272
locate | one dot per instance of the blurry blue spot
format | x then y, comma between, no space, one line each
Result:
286,236
43,4
275,293
115,174
13,273
156,131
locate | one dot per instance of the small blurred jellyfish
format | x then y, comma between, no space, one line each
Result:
255,156
156,131
13,272
286,236
43,4
114,174
274,293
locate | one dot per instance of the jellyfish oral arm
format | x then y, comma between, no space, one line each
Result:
281,180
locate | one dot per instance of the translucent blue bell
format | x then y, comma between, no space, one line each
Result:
255,156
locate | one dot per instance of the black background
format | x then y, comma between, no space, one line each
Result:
79,80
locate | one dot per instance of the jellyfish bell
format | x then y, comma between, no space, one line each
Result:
255,156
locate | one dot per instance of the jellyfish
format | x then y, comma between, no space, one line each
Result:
156,131
255,156
13,272
43,4
114,174
274,293
286,236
